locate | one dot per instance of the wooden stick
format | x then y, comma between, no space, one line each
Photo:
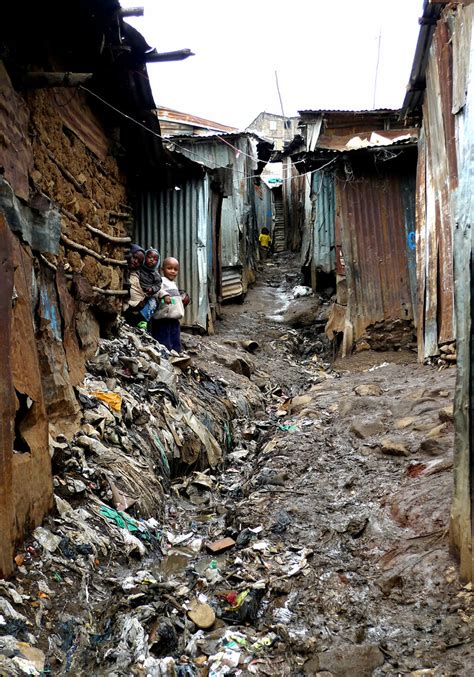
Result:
65,172
120,215
96,231
110,238
111,292
81,248
37,80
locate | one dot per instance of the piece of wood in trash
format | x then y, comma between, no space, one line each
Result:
220,546
201,614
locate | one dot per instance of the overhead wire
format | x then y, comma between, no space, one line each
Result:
192,152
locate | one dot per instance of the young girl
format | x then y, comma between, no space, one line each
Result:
165,327
145,282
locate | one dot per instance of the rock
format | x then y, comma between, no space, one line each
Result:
360,346
432,446
394,447
350,660
404,422
368,390
201,614
366,428
302,312
436,432
446,414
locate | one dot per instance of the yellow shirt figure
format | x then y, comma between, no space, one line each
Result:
264,240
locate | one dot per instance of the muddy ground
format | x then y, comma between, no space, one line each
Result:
336,490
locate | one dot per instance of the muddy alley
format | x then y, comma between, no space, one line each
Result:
249,507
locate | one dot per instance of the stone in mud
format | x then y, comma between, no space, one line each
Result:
368,390
201,614
404,422
349,660
446,414
361,346
432,446
302,312
363,428
394,447
436,432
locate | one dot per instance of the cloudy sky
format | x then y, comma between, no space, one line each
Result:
325,53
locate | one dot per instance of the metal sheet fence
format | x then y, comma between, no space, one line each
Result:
177,222
375,251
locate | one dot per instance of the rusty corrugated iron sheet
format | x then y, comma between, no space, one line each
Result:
436,181
172,121
16,155
375,251
463,75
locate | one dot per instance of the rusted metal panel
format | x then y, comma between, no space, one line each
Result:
436,306
461,522
420,217
16,155
374,242
461,41
232,286
7,406
25,466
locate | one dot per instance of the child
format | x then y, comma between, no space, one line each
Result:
145,282
264,242
165,325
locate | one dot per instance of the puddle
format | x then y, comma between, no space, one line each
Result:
176,561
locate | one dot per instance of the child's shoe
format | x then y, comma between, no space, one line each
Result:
142,325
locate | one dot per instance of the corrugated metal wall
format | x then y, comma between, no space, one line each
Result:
463,107
375,251
435,183
177,223
239,228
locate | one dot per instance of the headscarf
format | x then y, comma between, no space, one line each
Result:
158,261
150,278
134,248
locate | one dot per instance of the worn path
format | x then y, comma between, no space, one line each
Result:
353,474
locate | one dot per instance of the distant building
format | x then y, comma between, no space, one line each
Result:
174,122
279,129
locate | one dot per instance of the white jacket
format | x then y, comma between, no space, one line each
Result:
173,310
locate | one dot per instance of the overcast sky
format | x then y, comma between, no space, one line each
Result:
324,51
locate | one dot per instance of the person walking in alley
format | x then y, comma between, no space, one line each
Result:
165,326
264,243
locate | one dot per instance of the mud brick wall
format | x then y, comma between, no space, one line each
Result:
55,158
80,176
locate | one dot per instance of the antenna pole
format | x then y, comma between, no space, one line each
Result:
377,68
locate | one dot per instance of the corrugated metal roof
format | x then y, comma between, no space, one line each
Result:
322,111
416,84
173,116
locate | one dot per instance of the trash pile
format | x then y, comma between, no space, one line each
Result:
138,569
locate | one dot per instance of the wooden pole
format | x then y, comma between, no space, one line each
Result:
39,80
